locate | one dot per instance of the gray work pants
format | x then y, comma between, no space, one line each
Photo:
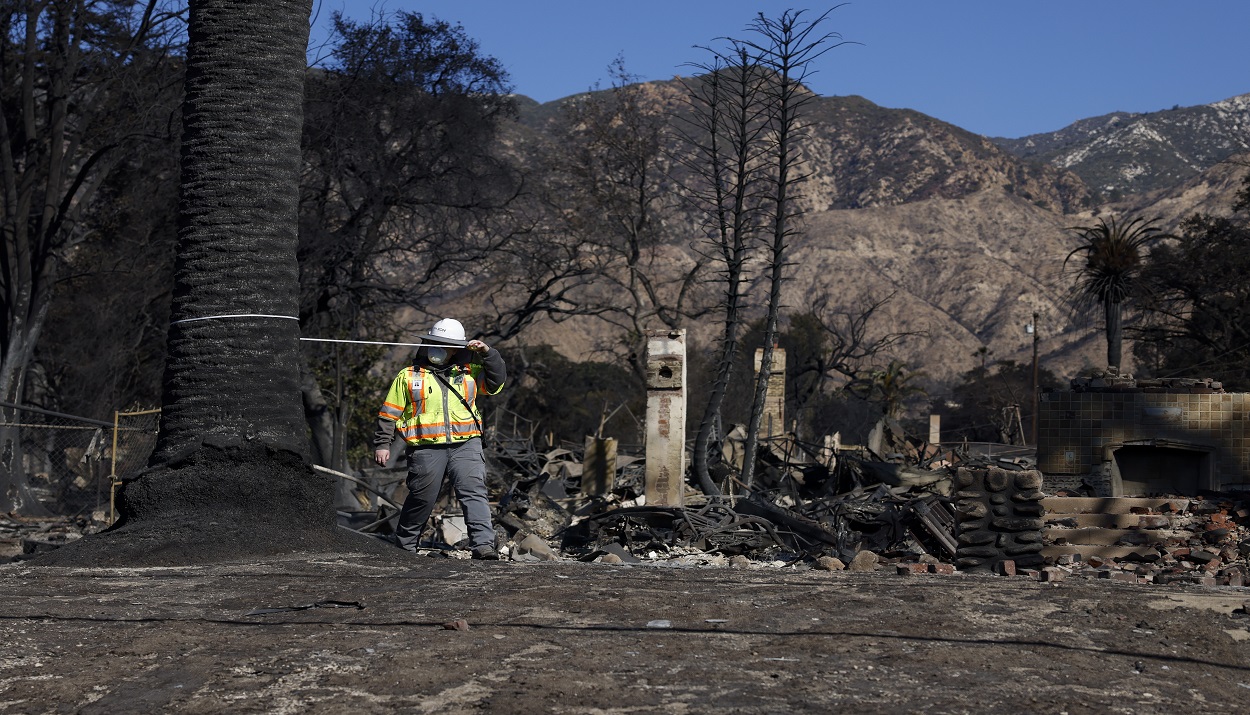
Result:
427,466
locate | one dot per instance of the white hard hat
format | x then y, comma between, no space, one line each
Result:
448,330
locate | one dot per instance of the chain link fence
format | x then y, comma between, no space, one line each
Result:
134,438
71,463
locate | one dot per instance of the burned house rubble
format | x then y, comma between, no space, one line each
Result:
934,511
895,504
900,506
925,510
1113,435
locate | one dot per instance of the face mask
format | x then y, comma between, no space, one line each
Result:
437,356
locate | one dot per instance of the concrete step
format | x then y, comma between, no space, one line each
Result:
1110,537
1100,521
1106,552
1111,505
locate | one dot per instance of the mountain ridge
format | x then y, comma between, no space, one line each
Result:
968,233
1124,153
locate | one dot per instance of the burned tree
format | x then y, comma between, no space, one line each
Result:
1109,270
744,129
830,347
82,85
1197,313
228,476
785,50
232,368
725,130
612,191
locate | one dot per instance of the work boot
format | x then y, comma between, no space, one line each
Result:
485,552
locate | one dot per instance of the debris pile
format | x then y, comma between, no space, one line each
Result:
26,537
712,527
1112,380
925,511
1202,540
808,505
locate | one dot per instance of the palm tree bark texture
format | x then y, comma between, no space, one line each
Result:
236,379
230,476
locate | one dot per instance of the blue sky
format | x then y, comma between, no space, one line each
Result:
996,67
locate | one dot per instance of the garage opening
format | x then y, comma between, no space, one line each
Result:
1148,469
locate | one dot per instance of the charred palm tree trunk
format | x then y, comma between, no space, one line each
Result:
229,478
230,378
1112,310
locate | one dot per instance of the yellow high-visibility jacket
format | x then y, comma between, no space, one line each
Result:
425,413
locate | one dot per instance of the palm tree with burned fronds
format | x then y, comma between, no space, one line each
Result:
1109,269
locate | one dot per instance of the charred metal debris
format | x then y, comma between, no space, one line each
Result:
808,505
920,510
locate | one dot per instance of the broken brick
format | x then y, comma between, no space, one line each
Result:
1232,577
1201,556
1052,574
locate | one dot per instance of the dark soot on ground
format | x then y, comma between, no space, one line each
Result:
216,505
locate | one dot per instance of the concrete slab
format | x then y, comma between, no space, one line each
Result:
1100,521
1106,552
1110,537
572,637
1109,505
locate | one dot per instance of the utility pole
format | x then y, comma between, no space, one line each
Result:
1033,329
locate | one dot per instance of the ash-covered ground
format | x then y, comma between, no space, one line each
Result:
354,632
267,607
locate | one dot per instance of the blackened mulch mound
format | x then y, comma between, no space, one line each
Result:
220,504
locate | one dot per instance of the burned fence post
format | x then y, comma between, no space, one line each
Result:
773,421
666,417
999,517
598,466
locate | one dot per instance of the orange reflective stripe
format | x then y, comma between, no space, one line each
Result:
430,430
422,421
458,429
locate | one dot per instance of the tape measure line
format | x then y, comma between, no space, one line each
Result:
460,343
239,315
367,342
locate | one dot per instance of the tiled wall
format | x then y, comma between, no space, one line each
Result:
1074,427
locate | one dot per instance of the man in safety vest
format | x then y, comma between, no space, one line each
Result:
431,404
